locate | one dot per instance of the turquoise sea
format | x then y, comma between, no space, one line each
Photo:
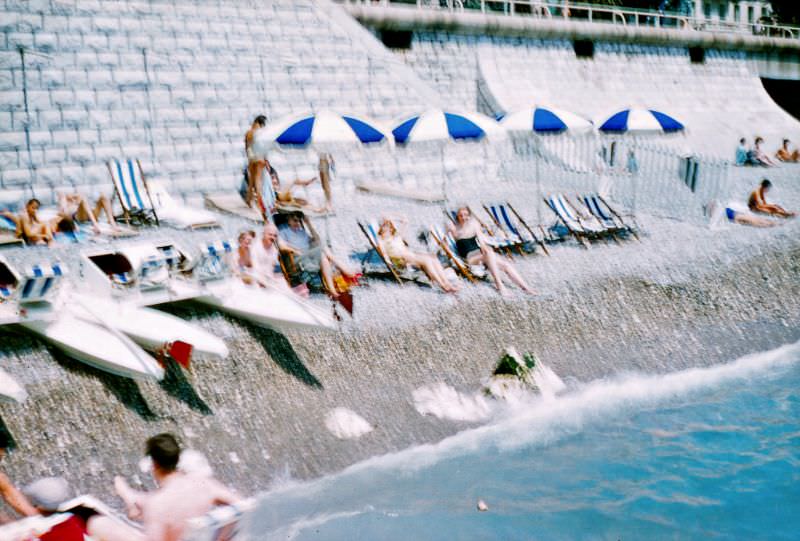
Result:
710,453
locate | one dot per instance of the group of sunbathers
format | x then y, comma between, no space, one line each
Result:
756,155
72,209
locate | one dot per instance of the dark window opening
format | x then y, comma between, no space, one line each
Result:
397,39
584,48
697,55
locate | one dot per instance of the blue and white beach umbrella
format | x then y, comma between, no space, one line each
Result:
640,121
439,125
321,127
545,120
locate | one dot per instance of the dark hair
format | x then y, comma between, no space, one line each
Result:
261,120
33,200
766,183
66,225
759,140
742,140
164,450
785,142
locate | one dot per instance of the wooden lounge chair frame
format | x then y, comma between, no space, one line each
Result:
377,247
511,229
614,216
505,248
460,265
127,211
580,234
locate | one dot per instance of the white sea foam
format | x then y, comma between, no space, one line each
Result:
346,424
444,402
541,421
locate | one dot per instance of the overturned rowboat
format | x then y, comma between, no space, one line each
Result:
272,306
37,301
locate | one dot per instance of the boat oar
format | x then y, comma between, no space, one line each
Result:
127,342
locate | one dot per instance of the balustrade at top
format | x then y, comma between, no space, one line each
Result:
593,13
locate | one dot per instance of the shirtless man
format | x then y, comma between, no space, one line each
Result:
758,202
30,228
10,494
180,496
254,164
786,155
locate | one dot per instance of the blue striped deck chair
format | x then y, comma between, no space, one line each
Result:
40,282
607,216
132,191
508,219
447,245
222,523
501,242
153,273
567,215
370,229
213,262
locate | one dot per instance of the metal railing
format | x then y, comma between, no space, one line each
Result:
567,10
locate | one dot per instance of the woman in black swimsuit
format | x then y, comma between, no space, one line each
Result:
472,247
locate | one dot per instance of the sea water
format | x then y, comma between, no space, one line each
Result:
704,453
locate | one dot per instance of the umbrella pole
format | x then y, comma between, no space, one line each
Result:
538,160
444,176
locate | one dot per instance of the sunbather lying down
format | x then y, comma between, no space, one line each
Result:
737,213
285,198
398,251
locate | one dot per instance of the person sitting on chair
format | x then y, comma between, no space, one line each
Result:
472,246
310,256
75,207
786,155
243,259
266,261
758,202
30,228
393,245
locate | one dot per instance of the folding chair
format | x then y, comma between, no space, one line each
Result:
567,215
600,208
132,191
40,283
501,215
447,245
370,230
500,243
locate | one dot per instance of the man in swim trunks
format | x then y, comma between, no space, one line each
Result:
30,228
786,155
255,164
758,202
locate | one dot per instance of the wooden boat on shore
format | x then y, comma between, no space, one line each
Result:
36,300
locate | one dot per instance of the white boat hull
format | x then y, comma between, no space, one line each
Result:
97,346
10,389
279,310
149,328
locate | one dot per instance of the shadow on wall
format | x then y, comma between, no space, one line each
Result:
282,352
177,386
126,390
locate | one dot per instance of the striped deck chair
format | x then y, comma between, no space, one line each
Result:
566,214
501,214
213,262
40,282
370,229
607,216
132,191
447,245
220,524
500,242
